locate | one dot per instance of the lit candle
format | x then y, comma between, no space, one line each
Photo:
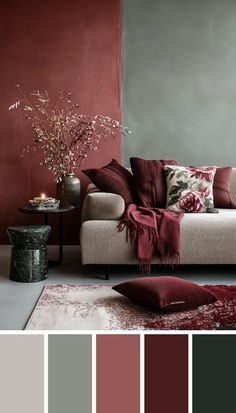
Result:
43,202
42,197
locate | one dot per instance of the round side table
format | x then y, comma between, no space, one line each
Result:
29,261
46,212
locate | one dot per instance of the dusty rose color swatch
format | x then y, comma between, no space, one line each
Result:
118,374
22,373
166,374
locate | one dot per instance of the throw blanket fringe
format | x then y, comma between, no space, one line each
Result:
155,230
132,232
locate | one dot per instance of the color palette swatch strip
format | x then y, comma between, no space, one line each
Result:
104,373
118,373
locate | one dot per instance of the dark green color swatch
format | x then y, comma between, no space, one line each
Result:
70,374
214,367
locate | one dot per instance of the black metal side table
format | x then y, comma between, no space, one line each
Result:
46,212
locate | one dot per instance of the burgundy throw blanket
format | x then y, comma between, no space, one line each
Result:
155,230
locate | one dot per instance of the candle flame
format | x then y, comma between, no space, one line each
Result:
43,195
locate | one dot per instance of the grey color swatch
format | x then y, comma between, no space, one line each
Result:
22,374
179,80
70,374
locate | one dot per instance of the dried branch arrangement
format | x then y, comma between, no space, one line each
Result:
63,134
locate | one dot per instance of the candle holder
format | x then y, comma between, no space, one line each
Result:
43,203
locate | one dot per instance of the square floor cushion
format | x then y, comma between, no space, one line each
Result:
165,293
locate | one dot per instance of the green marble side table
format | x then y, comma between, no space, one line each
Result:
29,261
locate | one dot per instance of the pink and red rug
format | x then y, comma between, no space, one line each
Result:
98,307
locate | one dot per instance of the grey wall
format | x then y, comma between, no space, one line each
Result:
179,80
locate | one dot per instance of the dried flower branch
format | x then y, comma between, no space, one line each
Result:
61,132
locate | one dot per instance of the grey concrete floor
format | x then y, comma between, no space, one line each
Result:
17,300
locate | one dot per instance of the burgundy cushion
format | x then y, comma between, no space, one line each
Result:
165,293
221,188
149,181
113,178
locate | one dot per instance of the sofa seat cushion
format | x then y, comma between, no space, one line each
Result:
209,238
204,238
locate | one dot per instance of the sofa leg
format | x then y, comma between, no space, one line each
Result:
107,273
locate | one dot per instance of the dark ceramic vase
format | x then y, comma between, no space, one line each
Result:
68,191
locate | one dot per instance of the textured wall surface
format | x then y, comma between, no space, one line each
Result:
75,45
179,80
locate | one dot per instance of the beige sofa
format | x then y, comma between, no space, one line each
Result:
205,238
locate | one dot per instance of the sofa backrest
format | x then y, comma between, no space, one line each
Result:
93,188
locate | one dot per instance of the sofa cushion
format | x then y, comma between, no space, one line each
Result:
149,181
233,186
165,293
205,239
221,188
189,189
113,178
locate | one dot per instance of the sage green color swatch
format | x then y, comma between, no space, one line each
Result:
21,373
70,374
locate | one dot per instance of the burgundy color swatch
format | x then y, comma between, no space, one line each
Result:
118,374
166,373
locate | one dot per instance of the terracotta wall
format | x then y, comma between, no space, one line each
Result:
75,45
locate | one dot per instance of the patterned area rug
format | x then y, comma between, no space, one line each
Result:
98,307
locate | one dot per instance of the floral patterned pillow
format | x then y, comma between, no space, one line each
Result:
190,189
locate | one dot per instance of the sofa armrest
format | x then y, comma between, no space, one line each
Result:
102,206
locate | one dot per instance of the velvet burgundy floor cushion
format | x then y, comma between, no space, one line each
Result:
113,178
165,293
149,181
221,188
